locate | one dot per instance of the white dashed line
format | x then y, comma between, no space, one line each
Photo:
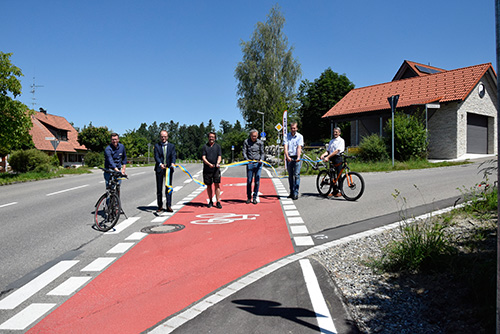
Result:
99,264
122,247
27,316
29,289
8,204
65,190
69,286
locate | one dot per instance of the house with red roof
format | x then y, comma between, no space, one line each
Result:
459,107
55,135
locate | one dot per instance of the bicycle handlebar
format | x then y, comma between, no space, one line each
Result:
114,173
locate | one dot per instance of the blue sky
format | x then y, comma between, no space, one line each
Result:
121,63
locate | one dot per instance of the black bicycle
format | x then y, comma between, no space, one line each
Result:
350,184
108,207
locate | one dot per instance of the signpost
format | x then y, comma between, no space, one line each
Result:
393,101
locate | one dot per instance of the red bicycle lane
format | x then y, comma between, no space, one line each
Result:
164,273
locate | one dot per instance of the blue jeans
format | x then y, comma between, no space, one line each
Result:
253,171
293,168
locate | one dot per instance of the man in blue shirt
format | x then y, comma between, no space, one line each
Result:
293,150
114,157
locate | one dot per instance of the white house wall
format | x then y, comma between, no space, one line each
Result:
485,106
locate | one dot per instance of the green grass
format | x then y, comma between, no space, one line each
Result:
8,178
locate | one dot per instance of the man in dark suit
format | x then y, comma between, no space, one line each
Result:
165,158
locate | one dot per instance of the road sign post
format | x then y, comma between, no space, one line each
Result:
393,101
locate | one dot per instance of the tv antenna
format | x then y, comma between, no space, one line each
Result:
33,87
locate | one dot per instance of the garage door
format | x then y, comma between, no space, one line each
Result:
477,134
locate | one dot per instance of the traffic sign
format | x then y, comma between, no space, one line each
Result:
278,127
262,134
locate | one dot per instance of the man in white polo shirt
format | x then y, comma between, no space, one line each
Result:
293,150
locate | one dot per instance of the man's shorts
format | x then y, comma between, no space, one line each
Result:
211,176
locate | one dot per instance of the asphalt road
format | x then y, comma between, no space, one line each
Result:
45,222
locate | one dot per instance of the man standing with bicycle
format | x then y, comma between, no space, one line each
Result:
115,158
333,154
165,156
293,150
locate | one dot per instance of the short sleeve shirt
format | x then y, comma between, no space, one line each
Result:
293,143
212,153
336,144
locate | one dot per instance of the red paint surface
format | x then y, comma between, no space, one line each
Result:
165,273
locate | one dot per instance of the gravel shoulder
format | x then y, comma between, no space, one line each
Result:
437,302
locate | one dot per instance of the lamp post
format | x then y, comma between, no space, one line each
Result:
260,112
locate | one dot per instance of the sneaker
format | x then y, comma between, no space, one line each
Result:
210,204
296,197
248,201
218,205
254,201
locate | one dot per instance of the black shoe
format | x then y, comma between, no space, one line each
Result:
160,209
295,197
254,201
248,201
218,205
169,209
290,196
210,204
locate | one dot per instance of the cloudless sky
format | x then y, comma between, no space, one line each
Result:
122,63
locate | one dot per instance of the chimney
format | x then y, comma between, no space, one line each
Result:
43,110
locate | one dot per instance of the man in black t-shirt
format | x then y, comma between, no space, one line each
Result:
212,155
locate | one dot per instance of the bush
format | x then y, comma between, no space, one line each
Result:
409,137
372,148
44,168
94,159
28,160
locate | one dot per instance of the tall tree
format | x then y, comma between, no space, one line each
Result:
15,118
94,138
268,74
316,99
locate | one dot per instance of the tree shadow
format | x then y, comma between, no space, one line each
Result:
266,308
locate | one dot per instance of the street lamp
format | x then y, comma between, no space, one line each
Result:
260,112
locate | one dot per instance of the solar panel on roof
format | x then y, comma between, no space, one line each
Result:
426,69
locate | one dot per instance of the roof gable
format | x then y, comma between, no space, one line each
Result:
454,85
42,122
411,69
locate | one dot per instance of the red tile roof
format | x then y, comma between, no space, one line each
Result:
39,132
414,70
454,85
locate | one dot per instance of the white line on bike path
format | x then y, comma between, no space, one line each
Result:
325,321
65,190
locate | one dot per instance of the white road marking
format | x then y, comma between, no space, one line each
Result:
136,236
295,220
99,264
323,316
123,225
292,213
122,247
289,207
301,229
29,289
65,190
69,286
4,205
138,174
303,241
27,316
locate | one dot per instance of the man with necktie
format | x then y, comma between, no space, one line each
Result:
164,158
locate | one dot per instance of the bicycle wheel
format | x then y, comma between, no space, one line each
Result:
107,212
304,169
324,183
352,186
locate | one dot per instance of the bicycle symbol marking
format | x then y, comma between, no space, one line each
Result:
222,218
